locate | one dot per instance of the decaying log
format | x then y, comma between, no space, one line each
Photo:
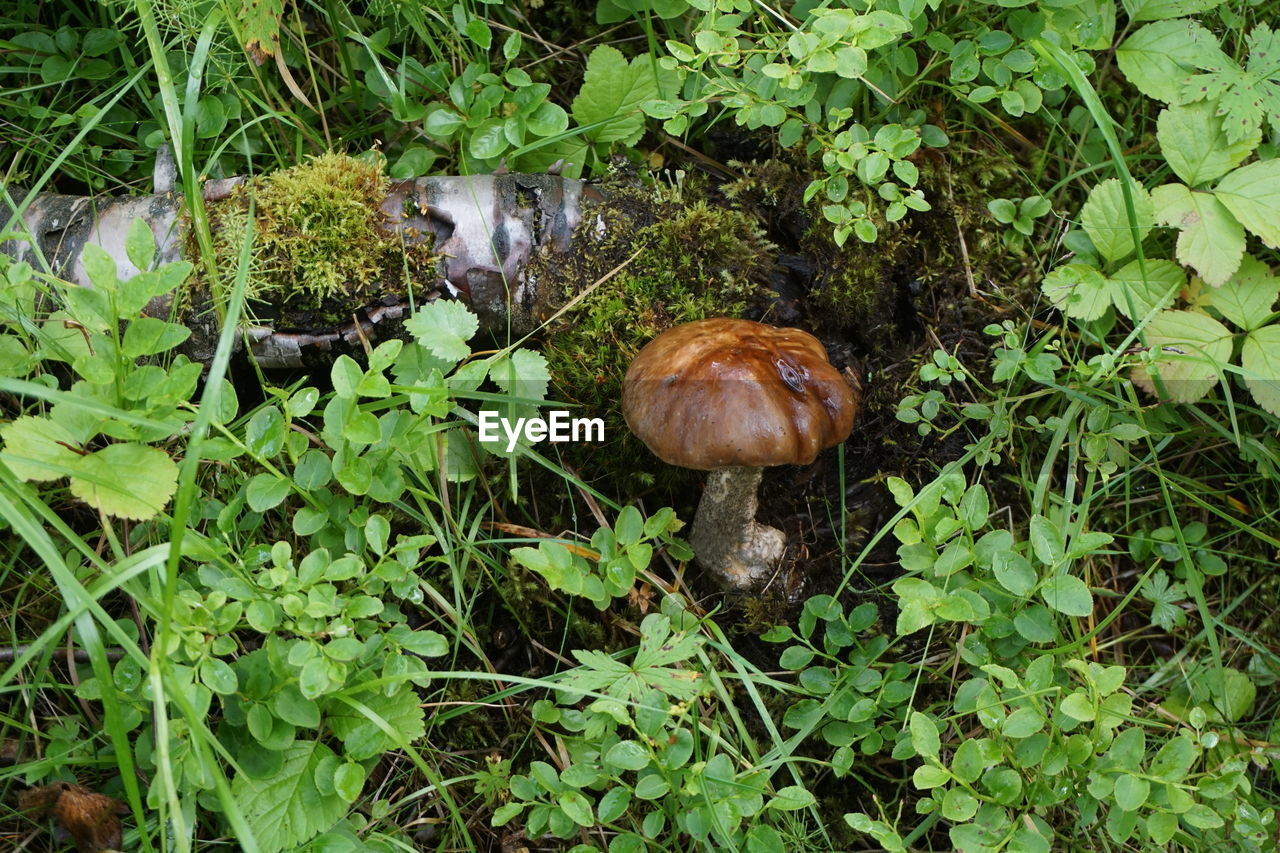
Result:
485,230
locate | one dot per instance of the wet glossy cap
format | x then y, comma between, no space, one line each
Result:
722,392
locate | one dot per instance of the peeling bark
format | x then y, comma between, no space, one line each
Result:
485,229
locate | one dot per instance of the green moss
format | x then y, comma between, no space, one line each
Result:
319,249
694,261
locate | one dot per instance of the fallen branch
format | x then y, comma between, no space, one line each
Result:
483,229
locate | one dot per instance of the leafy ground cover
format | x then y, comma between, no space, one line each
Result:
1028,606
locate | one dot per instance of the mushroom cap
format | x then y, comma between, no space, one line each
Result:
723,392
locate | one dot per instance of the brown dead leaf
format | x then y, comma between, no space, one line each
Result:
86,817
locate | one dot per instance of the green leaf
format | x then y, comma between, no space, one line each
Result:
1260,362
148,336
1014,572
917,601
627,755
345,376
1067,594
1193,141
489,140
361,736
959,805
612,92
443,327
264,435
286,808
126,480
218,676
1192,348
1077,706
38,449
924,735
1136,295
1106,220
967,763
1211,239
577,807
928,776
139,243
1159,57
1243,96
1252,193
522,373
266,491
1247,299
348,781
791,798
1046,541
1078,290
1158,10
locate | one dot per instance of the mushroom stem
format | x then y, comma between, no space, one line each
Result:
726,538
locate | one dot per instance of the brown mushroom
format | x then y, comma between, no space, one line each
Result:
733,396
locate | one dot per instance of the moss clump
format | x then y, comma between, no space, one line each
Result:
320,249
695,260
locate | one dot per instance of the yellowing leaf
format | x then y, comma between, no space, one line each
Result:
1106,219
126,480
1191,350
1260,360
1077,290
1247,298
38,449
260,27
1136,295
1211,240
1252,193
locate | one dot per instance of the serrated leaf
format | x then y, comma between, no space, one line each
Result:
1077,290
1245,97
1247,299
361,736
1211,240
1192,139
522,373
1160,56
612,92
126,480
1067,594
1252,193
1159,10
443,327
1106,220
1192,348
37,449
1136,295
1260,362
286,808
